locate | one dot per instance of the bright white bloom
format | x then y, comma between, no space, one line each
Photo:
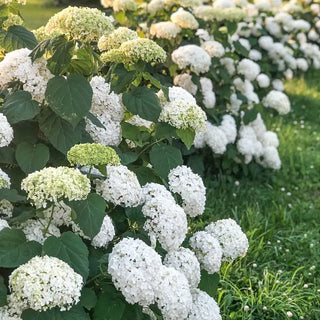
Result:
265,42
258,126
184,19
5,182
228,63
6,131
17,65
247,89
134,268
223,4
209,97
34,230
105,235
139,122
165,30
3,224
183,114
207,250
233,241
184,81
121,187
249,69
4,314
193,56
216,139
185,261
270,158
302,64
229,127
262,5
235,104
213,48
173,294
203,35
269,139
154,6
155,190
277,84
124,5
277,100
44,283
203,307
6,209
191,189
167,222
54,184
178,93
263,80
61,214
245,43
255,55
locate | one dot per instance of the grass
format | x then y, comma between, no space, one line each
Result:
280,213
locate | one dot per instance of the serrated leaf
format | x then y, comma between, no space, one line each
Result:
209,283
90,213
32,157
19,106
17,37
14,248
164,158
70,98
11,195
143,102
70,249
88,298
187,136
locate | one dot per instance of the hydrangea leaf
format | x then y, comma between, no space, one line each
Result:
11,195
164,158
70,98
76,313
14,248
209,283
3,292
70,249
88,298
143,102
32,157
187,136
90,213
19,106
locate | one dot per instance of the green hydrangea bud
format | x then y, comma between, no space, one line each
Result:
93,154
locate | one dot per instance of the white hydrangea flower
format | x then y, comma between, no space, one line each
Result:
134,268
105,235
184,81
154,6
193,56
207,250
302,64
139,122
255,55
233,241
124,5
44,283
173,294
183,114
60,214
191,189
269,139
228,63
6,131
155,190
270,158
17,65
203,307
223,4
184,19
249,69
199,140
5,315
53,184
263,80
5,182
6,209
229,127
235,104
265,42
277,100
121,187
167,222
3,224
277,84
34,230
258,126
215,138
185,261
247,89
209,97
178,93
245,43
213,48
165,30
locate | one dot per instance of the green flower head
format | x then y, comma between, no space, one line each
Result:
93,154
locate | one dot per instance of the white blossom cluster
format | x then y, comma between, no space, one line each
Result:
105,235
107,107
121,187
278,101
249,69
165,30
3,224
44,283
6,209
5,182
191,189
209,97
6,131
34,76
184,19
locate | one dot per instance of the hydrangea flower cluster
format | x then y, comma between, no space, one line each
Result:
278,101
5,182
93,154
105,235
44,283
55,184
165,30
184,19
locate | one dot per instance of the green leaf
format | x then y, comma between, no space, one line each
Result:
88,298
83,62
129,131
108,308
95,120
164,158
32,157
250,116
3,292
128,157
121,78
19,106
11,195
209,283
7,155
70,249
59,132
76,313
17,37
143,102
187,136
146,175
232,27
165,130
90,213
14,248
70,98
240,49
